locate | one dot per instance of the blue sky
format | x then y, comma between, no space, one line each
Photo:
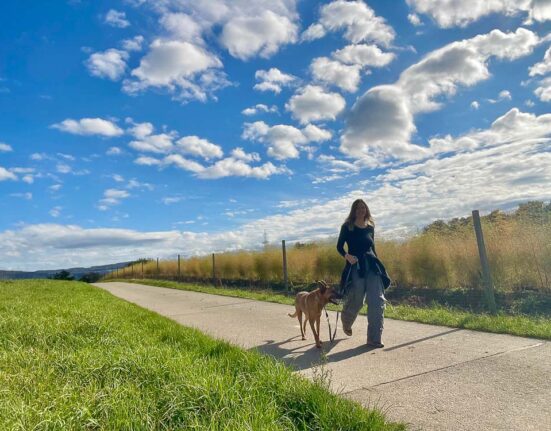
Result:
149,128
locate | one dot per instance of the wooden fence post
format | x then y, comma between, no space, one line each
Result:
285,278
213,270
157,267
178,267
132,273
142,269
488,285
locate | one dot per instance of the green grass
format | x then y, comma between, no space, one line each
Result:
520,324
72,356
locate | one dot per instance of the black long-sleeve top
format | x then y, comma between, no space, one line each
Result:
360,243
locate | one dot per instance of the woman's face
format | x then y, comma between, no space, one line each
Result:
361,211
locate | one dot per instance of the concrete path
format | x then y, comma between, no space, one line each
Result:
432,377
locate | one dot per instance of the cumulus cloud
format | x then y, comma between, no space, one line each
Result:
414,19
116,19
346,77
187,71
196,146
421,88
89,126
313,103
364,55
112,197
544,90
5,148
460,13
272,80
258,108
543,67
113,151
7,175
109,64
357,19
134,44
283,141
248,36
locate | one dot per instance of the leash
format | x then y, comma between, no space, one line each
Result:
332,337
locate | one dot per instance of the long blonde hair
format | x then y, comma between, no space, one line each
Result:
352,216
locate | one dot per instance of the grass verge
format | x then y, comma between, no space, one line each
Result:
435,314
74,357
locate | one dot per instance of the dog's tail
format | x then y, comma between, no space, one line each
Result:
292,315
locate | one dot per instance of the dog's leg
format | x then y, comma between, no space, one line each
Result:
316,335
299,314
318,328
305,322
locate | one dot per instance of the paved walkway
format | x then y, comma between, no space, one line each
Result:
432,377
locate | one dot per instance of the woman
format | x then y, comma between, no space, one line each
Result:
364,275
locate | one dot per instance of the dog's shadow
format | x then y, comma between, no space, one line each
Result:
300,356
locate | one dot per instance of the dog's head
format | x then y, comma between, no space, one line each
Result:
328,293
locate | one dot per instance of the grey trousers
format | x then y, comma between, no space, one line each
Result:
370,288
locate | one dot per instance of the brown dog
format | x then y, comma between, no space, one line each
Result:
311,304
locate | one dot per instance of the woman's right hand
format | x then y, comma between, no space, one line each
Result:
351,259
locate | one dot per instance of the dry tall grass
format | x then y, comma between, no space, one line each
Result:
519,255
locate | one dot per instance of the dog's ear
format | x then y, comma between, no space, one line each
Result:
322,285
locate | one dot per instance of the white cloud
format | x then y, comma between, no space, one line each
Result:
414,19
358,20
89,126
147,161
108,64
146,141
346,77
259,108
171,200
63,168
134,44
460,13
364,55
5,148
196,146
116,19
263,34
27,196
113,151
112,197
239,153
544,90
55,211
421,88
312,103
315,31
283,141
475,104
543,67
505,95
185,70
272,80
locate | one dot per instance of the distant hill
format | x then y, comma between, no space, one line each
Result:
75,272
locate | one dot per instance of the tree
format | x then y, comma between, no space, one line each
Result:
62,275
90,277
